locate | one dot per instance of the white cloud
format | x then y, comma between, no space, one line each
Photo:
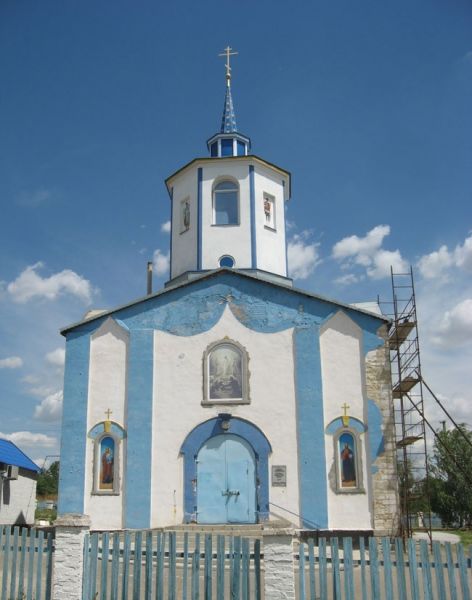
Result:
383,260
50,408
56,357
361,249
467,58
165,227
11,362
161,262
29,285
347,279
455,328
303,256
29,438
433,265
367,252
35,198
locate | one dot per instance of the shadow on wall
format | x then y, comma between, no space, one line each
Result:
20,519
5,493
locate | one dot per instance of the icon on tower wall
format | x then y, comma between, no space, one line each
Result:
185,215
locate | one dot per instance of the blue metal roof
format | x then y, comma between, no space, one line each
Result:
12,455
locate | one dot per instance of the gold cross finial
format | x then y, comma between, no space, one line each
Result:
108,413
345,416
107,425
227,52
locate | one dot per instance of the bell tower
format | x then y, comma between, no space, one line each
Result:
228,209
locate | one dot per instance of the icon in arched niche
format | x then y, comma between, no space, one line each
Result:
107,463
225,373
347,458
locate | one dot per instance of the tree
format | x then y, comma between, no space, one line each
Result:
48,480
451,469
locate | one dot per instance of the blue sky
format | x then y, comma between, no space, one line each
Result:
367,104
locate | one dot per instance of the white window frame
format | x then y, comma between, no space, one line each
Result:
213,194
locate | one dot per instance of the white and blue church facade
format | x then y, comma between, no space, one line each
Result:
229,396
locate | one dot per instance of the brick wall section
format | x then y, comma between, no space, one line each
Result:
68,557
279,581
386,507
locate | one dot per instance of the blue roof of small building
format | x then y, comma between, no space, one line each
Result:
12,455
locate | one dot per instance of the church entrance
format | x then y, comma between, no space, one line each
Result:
226,481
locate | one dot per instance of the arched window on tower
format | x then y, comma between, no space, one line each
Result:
226,203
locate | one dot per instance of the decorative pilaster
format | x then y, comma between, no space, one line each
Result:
69,556
279,572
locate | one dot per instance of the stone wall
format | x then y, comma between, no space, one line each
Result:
386,506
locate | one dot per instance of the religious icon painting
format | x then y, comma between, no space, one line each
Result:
225,373
184,215
269,211
347,458
107,463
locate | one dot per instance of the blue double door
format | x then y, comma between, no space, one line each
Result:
226,481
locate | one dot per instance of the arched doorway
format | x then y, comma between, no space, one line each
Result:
255,446
226,481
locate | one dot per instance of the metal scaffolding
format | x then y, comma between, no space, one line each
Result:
407,392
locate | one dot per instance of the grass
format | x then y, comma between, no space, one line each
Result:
46,514
464,534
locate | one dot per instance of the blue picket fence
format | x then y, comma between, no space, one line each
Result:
156,565
383,569
25,563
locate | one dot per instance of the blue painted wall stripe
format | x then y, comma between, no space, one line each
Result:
311,451
139,428
74,424
200,218
171,229
284,207
252,200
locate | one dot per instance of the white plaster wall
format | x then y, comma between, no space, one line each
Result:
18,498
184,245
178,393
227,239
107,390
342,368
270,244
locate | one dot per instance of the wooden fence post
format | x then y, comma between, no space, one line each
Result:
279,574
69,556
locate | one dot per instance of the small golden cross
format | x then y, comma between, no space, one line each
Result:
227,52
345,407
108,413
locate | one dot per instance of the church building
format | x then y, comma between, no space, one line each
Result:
229,396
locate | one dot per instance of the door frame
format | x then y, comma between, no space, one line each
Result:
223,458
226,423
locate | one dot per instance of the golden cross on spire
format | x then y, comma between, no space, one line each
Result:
345,416
227,52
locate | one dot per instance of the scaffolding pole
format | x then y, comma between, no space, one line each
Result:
407,384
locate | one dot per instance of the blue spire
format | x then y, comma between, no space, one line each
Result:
228,122
228,142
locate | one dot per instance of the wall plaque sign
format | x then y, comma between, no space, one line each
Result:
279,475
